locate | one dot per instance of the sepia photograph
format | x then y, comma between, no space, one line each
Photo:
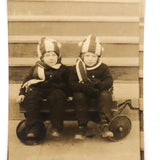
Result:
75,79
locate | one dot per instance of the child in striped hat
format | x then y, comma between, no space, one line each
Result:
90,80
47,79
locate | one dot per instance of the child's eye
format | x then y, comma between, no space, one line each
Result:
47,55
50,54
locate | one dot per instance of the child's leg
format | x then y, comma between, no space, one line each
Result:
104,109
104,105
32,104
80,102
56,101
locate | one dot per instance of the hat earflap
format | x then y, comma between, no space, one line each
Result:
80,44
38,51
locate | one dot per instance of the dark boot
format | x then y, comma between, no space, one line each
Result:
81,133
104,127
55,132
105,132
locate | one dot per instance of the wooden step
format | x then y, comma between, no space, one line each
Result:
110,61
42,18
122,90
73,28
97,1
74,7
73,39
18,73
73,50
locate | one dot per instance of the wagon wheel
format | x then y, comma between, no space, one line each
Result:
120,126
38,129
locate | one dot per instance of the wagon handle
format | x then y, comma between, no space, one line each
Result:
128,103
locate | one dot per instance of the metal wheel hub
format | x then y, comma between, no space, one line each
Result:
120,126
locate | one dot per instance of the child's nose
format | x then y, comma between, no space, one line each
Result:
90,58
51,57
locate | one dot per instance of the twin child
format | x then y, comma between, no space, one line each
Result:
89,79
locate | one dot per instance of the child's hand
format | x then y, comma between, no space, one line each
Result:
98,84
20,98
89,89
96,81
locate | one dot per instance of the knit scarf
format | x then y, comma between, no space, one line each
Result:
39,74
81,70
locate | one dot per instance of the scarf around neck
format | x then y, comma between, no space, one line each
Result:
39,74
81,70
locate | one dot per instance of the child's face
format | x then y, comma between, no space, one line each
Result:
50,58
90,59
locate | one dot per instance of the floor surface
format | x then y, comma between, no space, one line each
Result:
68,149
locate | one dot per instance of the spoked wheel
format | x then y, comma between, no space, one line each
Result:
37,133
120,126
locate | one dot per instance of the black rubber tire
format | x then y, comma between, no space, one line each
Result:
120,126
22,130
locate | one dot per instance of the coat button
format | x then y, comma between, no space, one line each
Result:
93,76
50,75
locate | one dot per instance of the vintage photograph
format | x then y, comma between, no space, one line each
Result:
75,79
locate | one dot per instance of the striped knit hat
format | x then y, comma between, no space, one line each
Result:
91,44
46,44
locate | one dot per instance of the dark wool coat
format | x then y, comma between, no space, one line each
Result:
54,79
101,79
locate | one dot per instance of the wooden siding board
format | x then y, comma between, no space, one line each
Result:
110,61
72,8
71,28
119,73
73,39
73,50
